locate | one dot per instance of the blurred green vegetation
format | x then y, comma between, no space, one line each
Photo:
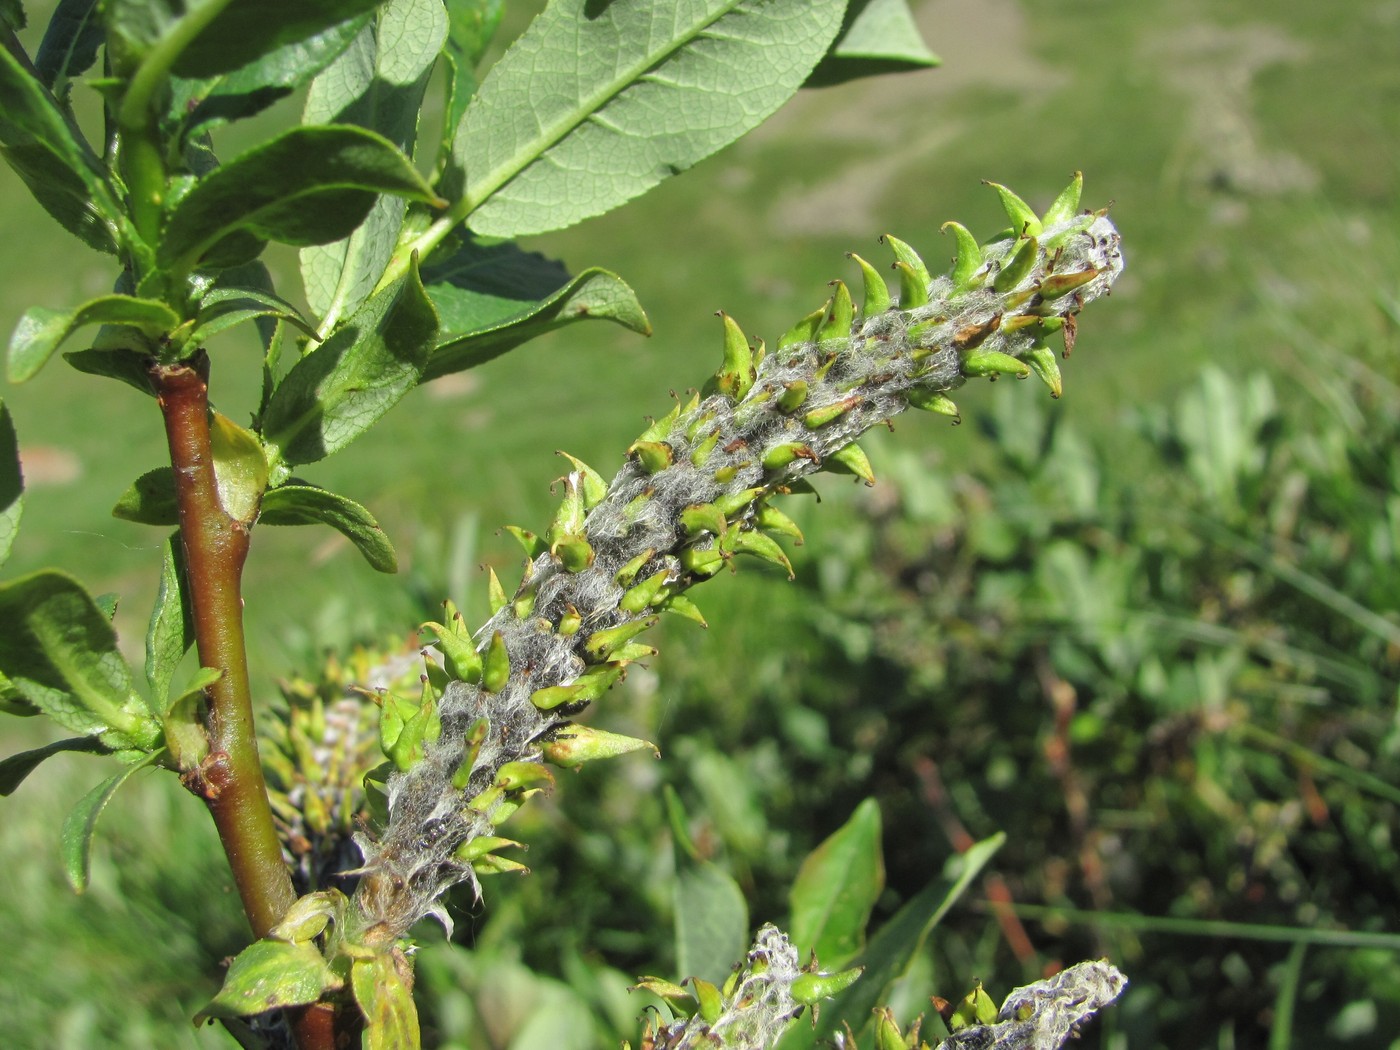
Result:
1149,631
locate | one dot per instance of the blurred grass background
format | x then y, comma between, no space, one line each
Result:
1253,155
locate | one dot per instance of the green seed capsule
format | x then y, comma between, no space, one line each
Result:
805,330
516,775
993,362
711,1003
703,562
1042,361
771,519
732,503
470,749
702,517
905,254
850,460
654,456
460,657
478,847
591,483
820,417
660,428
1058,285
628,572
1018,267
976,1008
495,593
683,606
570,621
840,315
748,541
533,544
811,988
913,289
568,519
968,259
574,552
645,594
1066,204
877,293
602,643
701,453
1024,222
887,1033
794,393
779,456
495,671
933,401
736,374
574,745
494,865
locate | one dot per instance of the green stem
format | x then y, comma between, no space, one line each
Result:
231,780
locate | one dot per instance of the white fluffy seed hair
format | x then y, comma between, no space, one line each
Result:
718,448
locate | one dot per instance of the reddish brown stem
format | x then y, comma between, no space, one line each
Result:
216,546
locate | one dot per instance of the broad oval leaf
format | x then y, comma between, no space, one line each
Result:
171,628
11,484
386,1001
493,298
150,500
126,366
59,652
48,152
836,888
269,975
14,769
377,84
712,922
339,390
310,185
41,331
595,104
301,504
81,824
893,947
879,36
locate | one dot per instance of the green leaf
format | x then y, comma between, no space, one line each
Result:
878,36
70,43
310,185
712,922
269,975
490,299
302,504
14,769
893,947
837,887
377,84
171,628
212,100
41,331
471,25
150,500
391,1019
337,392
223,308
59,652
594,105
48,153
125,366
11,484
80,824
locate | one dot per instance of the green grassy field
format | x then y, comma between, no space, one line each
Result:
1253,155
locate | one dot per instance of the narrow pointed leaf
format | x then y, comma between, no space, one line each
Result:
590,107
712,921
70,43
310,185
125,366
471,26
492,299
377,84
223,308
339,390
11,484
837,887
59,652
41,331
878,36
81,824
245,30
15,768
171,629
48,153
301,504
